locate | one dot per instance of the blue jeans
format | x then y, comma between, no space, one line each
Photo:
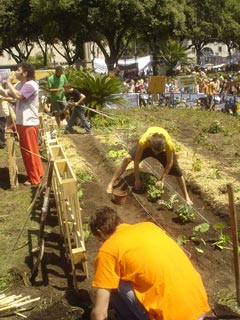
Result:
78,111
125,303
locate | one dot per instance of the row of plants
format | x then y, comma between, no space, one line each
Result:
197,237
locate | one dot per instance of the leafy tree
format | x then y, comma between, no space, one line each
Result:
112,26
230,32
15,29
203,22
62,24
160,20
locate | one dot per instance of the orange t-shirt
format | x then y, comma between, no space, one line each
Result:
163,278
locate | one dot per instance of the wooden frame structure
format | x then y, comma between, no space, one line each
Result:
64,186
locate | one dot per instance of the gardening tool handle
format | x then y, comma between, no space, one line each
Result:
43,219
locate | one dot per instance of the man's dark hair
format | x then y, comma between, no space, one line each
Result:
105,219
68,85
27,67
157,142
59,68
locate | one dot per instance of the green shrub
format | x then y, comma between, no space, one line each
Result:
185,213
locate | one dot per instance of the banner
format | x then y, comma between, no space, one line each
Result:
187,81
156,84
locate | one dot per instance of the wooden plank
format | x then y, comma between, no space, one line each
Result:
78,255
12,162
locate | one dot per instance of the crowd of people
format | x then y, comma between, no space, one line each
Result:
209,91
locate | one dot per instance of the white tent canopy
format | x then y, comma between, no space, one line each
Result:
143,62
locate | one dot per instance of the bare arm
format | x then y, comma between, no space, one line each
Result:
100,310
55,89
13,91
168,166
82,98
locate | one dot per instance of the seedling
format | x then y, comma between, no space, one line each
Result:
215,127
181,239
222,239
169,204
148,180
196,237
185,213
197,230
117,154
196,164
154,192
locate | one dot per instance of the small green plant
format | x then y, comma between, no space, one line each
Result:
86,231
215,127
196,236
222,239
154,192
196,164
169,204
117,154
185,213
148,179
182,239
201,138
83,176
9,280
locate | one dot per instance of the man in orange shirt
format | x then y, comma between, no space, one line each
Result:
143,277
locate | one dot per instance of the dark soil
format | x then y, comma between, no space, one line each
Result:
54,281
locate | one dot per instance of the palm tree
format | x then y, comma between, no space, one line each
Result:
174,52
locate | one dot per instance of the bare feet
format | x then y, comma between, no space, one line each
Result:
109,188
189,202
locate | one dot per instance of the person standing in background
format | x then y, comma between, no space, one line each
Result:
55,86
4,113
77,98
27,121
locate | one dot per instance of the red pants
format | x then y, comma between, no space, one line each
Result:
28,139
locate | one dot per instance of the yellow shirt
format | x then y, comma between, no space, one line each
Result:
145,138
163,278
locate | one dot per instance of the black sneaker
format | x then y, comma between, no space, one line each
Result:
69,131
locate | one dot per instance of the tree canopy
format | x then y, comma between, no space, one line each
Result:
115,26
